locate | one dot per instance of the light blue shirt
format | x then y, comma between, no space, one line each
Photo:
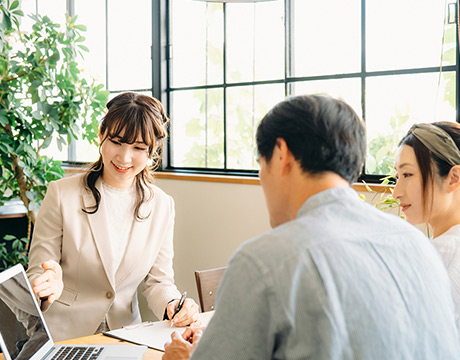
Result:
341,281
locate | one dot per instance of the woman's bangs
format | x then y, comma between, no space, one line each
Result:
129,127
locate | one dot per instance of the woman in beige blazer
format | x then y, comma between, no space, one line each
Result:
101,234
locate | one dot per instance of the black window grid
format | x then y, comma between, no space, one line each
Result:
287,81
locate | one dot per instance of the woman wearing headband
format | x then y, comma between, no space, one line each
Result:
428,188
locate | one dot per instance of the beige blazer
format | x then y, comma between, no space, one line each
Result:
93,289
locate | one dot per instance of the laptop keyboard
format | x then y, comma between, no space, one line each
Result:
77,352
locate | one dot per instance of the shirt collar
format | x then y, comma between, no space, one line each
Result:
345,194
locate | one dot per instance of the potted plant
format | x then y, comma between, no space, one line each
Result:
43,96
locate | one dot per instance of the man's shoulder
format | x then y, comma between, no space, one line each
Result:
337,223
355,218
279,243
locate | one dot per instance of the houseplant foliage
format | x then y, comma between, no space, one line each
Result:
43,96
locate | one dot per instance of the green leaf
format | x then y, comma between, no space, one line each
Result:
14,5
60,141
36,83
31,195
47,142
35,97
6,21
36,115
36,27
83,47
72,21
3,120
18,12
53,59
4,149
68,52
80,27
102,96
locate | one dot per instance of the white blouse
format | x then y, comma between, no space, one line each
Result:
120,218
448,245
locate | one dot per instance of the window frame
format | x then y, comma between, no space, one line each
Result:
162,88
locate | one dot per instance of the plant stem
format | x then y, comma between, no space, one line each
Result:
29,233
21,179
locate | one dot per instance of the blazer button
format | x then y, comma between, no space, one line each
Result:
109,294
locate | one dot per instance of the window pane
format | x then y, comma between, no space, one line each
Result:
326,37
197,43
129,41
93,65
449,48
394,103
246,105
54,152
55,10
29,7
197,128
403,34
92,14
86,152
255,41
346,89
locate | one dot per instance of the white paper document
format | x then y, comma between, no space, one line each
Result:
152,334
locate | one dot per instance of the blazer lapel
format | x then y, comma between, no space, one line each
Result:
99,225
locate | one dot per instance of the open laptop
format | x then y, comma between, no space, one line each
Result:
25,335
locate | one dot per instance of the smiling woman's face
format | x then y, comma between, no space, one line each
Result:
122,161
409,186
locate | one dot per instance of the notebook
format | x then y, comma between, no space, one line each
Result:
25,335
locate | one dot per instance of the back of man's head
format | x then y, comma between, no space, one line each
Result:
323,134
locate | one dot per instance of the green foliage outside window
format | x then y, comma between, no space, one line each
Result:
382,149
206,134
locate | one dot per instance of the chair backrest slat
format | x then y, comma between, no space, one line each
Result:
207,282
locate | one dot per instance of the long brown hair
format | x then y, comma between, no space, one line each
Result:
132,115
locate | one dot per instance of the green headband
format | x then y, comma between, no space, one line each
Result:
439,142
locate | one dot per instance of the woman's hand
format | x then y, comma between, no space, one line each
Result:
182,347
49,284
186,316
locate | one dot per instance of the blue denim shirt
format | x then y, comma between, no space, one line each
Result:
341,281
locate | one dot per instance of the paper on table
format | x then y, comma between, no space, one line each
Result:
152,334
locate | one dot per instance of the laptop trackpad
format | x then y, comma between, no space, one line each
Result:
123,352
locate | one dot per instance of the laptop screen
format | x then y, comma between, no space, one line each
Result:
22,329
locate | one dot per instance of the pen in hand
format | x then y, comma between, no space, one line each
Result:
179,307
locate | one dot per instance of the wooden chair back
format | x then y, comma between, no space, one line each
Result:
207,282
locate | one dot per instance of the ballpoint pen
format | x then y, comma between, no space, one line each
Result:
179,307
